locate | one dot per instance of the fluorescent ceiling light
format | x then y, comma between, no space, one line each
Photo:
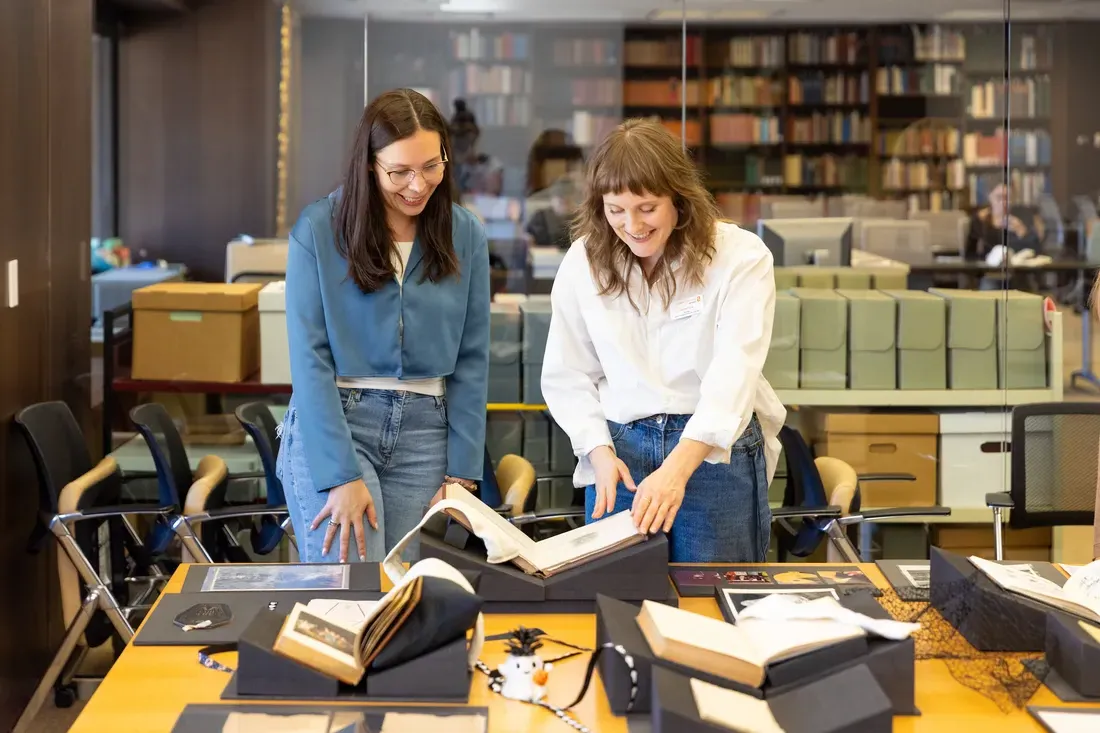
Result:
698,15
972,15
471,6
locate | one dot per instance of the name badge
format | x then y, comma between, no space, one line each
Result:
687,308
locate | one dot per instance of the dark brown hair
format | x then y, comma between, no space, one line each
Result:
643,157
363,236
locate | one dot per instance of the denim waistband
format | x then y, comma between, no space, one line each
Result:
670,423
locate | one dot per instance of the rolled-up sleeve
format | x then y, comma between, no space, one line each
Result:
468,386
571,370
743,335
326,437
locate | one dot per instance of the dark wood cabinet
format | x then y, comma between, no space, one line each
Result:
45,207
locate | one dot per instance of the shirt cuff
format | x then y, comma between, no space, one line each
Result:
716,433
585,475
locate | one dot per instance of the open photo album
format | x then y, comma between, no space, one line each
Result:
1080,596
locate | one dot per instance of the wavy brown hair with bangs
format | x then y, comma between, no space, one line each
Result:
644,158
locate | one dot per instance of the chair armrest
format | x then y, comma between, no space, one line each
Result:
871,515
246,475
801,512
128,476
999,500
872,477
548,515
112,511
552,476
235,512
504,510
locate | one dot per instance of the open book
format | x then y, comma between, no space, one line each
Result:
740,653
505,542
1080,595
342,646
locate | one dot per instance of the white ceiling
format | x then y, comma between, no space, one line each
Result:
703,11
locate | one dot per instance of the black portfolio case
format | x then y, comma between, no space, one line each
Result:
1074,658
635,573
616,622
846,701
438,676
989,617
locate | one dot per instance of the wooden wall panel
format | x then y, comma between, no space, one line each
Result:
197,133
45,144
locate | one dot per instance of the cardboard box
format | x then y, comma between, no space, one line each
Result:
975,456
848,278
823,339
785,278
197,332
505,347
884,443
872,355
274,343
536,327
971,339
781,366
921,339
890,279
1019,544
1021,338
815,277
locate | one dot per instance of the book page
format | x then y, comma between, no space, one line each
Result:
427,723
351,614
237,722
508,531
1070,721
1025,582
1084,586
587,540
731,709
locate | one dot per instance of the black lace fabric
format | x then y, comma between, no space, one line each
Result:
1009,679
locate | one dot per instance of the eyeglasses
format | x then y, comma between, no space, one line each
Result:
433,173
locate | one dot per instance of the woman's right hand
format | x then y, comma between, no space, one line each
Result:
344,509
610,470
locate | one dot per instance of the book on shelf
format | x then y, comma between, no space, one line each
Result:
740,653
764,52
744,129
739,90
1080,596
569,52
838,49
1028,97
1023,147
809,87
505,542
934,79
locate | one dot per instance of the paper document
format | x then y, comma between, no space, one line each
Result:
276,577
237,722
351,614
427,723
786,608
1069,721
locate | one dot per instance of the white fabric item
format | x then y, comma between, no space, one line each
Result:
781,608
702,356
433,387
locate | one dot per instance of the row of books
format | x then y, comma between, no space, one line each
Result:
595,91
934,79
933,200
586,52
745,129
909,175
1028,186
830,127
663,52
735,90
1023,147
494,79
500,111
754,51
848,171
822,88
915,141
933,44
473,45
752,171
840,48
587,128
663,93
1028,51
1028,97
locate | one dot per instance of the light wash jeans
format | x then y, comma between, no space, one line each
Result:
725,515
401,441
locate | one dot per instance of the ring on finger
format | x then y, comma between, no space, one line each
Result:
333,523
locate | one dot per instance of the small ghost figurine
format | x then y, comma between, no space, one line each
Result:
524,674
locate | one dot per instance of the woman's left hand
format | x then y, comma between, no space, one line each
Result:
657,500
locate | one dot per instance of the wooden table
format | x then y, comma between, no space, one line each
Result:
148,687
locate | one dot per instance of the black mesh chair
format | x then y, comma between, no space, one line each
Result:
1053,477
259,423
203,522
103,587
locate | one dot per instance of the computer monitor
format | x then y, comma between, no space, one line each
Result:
949,229
797,242
905,240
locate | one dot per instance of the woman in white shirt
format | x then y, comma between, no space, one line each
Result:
662,318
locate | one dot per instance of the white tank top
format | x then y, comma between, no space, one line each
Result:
433,386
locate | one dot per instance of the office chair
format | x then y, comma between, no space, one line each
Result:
1053,468
512,489
824,494
259,423
76,500
202,513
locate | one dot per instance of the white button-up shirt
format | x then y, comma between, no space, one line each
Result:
702,356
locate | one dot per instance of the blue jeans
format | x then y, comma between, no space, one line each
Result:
725,515
401,441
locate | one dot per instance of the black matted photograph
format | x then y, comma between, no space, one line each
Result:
334,637
732,601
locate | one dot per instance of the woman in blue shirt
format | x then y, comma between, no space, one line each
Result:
387,297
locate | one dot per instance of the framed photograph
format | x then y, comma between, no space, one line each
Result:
911,579
733,601
305,577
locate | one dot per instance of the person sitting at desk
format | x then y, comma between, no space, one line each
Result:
549,227
987,230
